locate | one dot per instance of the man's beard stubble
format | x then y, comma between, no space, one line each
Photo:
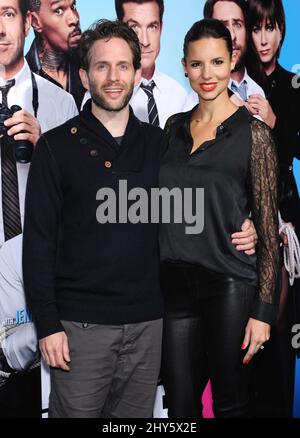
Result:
102,103
58,59
240,64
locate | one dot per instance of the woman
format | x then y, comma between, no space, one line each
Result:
280,110
214,320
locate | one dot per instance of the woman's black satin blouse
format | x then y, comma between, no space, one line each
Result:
238,172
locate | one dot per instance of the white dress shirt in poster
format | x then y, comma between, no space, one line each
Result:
56,106
168,94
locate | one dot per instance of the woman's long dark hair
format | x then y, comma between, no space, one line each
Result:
258,11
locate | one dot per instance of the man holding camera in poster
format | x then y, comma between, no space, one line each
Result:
30,105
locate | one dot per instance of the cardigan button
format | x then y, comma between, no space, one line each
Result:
83,141
74,130
94,153
108,164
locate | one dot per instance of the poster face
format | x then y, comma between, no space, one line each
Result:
162,44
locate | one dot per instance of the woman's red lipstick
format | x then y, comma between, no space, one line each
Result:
208,86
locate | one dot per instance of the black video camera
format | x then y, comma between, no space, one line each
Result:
23,148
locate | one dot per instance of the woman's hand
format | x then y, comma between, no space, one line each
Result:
256,334
260,106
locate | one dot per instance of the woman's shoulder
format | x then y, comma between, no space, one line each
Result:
178,117
176,120
258,125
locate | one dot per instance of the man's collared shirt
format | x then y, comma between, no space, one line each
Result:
56,106
168,94
252,87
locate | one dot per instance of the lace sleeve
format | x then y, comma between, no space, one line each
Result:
264,182
170,122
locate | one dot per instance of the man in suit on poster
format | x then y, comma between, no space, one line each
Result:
44,106
157,96
52,54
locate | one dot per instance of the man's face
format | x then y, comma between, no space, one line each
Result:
58,23
232,16
12,36
144,20
111,76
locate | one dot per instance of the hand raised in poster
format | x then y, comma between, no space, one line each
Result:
258,105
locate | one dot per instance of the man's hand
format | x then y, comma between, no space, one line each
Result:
256,334
24,126
55,351
246,239
260,106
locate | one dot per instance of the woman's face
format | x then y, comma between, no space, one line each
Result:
208,65
266,39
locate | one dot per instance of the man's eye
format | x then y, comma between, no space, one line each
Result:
59,11
74,7
153,27
123,67
9,14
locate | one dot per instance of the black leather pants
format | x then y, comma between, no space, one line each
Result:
204,326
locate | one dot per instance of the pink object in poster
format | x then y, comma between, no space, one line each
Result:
207,402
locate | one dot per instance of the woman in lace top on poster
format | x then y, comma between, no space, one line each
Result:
219,303
280,110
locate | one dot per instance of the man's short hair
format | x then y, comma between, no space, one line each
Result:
105,30
35,5
208,9
120,10
24,6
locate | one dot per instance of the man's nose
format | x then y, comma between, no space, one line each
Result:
113,73
2,27
72,17
144,38
232,32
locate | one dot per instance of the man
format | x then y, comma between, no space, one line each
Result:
53,51
105,305
51,106
233,13
92,284
157,96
